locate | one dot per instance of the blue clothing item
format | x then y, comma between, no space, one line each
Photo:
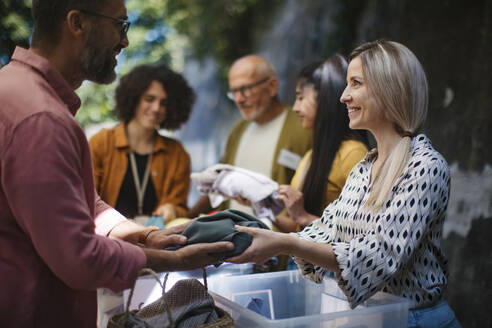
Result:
291,264
258,305
156,221
439,315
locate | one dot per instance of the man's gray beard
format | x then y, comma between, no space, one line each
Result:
259,111
97,62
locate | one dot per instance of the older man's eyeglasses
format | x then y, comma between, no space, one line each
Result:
125,24
246,90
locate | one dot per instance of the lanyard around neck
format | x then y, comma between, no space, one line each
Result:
140,188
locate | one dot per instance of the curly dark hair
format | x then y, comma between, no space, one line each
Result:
180,96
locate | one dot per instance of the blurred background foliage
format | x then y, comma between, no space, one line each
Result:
15,26
166,31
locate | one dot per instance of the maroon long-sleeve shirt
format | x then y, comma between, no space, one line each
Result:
51,258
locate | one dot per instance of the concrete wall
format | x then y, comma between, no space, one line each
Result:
453,40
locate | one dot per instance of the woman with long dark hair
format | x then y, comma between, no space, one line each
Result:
322,172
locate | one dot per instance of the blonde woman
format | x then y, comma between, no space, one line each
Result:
384,231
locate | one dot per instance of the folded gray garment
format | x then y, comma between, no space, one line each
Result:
132,321
220,227
189,303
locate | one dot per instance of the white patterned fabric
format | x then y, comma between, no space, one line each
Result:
397,249
224,181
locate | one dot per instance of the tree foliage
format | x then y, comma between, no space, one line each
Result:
15,26
165,31
220,28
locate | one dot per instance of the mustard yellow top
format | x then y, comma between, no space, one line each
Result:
349,154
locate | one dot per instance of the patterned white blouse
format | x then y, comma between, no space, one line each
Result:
396,250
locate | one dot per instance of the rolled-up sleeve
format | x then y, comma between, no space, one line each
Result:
106,217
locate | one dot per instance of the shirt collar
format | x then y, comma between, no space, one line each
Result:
122,140
51,75
120,135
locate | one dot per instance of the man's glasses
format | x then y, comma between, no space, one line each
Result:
246,90
125,24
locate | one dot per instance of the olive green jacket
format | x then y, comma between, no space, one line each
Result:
292,137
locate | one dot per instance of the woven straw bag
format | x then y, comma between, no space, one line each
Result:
187,304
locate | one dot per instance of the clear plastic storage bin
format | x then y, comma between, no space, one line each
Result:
286,299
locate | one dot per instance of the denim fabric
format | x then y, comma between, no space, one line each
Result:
439,315
291,265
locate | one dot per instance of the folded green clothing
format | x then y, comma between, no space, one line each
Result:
220,227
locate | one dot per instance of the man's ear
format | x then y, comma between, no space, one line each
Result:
77,24
273,86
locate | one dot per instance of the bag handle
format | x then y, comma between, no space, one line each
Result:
143,272
204,272
146,271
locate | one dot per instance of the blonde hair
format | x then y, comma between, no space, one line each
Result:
397,80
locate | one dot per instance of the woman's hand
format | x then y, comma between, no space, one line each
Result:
293,199
266,244
294,202
167,211
242,201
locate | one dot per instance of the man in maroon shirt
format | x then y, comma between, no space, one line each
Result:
58,240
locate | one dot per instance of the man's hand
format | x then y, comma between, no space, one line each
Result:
161,239
128,231
187,258
134,233
198,255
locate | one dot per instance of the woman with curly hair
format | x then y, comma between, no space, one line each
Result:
136,170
